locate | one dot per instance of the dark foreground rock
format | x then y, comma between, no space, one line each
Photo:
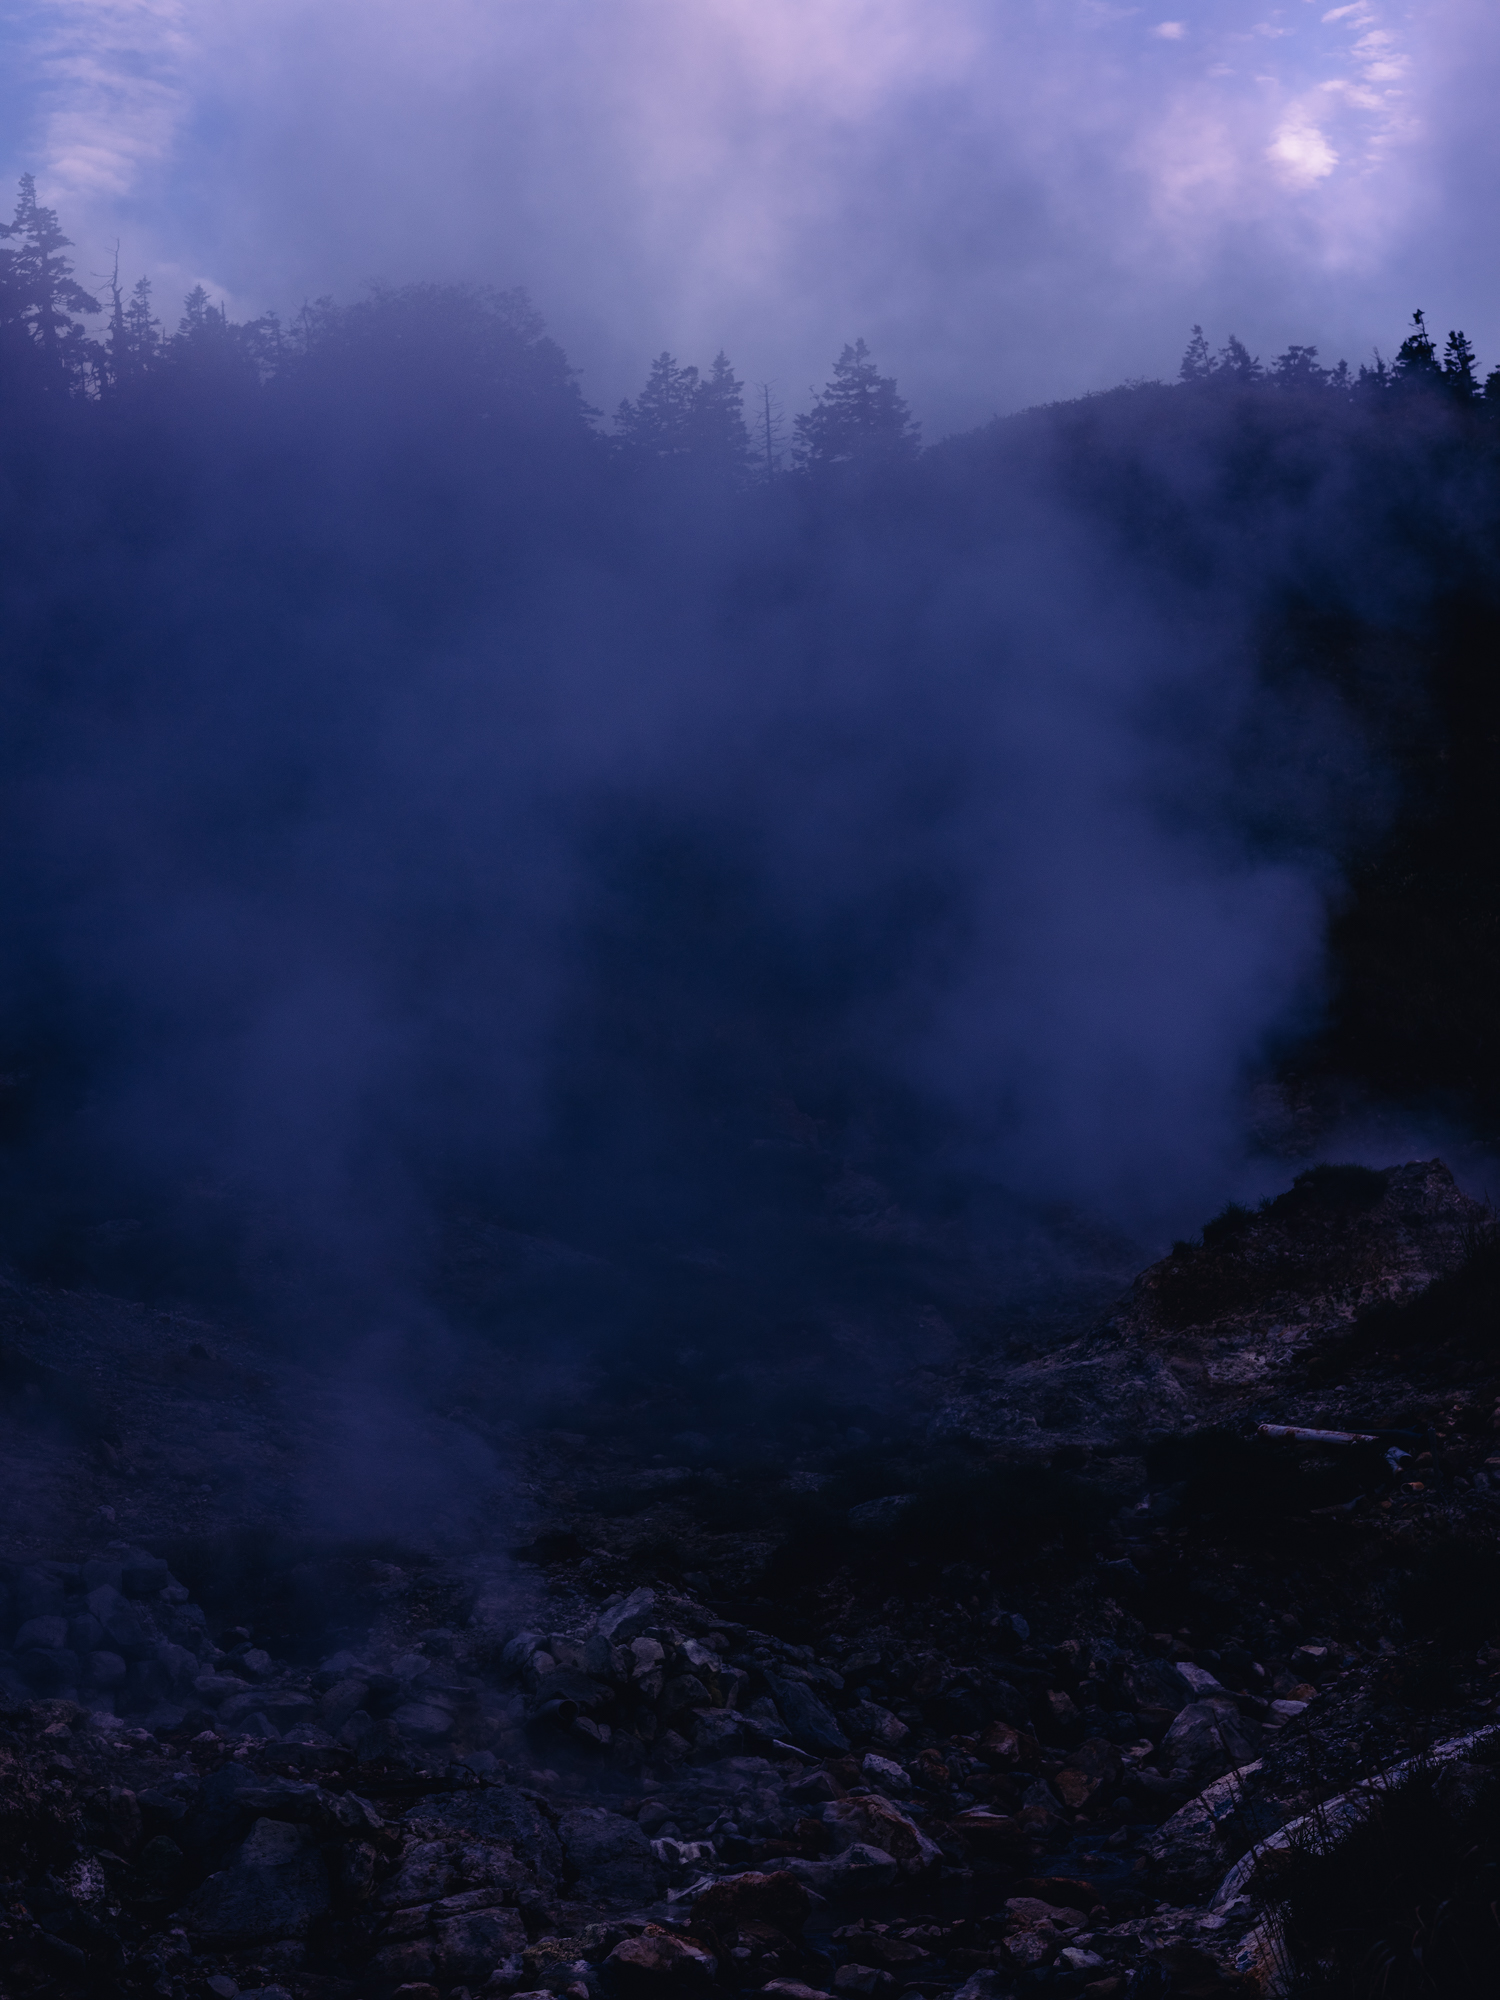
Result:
1038,1728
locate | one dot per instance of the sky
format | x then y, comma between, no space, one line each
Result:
1012,200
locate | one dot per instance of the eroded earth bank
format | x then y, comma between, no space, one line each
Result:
1061,1675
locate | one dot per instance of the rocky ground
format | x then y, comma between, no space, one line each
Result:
1014,1685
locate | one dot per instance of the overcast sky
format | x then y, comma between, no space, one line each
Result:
1012,200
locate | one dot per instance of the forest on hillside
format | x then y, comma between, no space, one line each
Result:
413,781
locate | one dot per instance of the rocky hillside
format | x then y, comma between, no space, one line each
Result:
1070,1679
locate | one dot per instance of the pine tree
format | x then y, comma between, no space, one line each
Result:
717,420
1373,383
1197,363
1459,377
1237,365
659,424
141,327
1298,369
43,292
1416,363
857,418
131,345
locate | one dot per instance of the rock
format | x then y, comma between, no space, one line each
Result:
984,1985
1076,1959
472,1945
878,1823
721,1732
144,1575
553,1964
46,1631
629,1619
890,1777
876,1516
85,1633
863,1979
340,1702
809,1724
870,1723
875,1948
793,1989
611,1854
395,1964
37,1595
777,1899
105,1670
423,1721
1025,1950
214,1688
117,1618
274,1887
658,1962
1095,1766
1193,1848
160,1864
1208,1738
992,1835
1201,1682
498,1812
858,1868
1027,1912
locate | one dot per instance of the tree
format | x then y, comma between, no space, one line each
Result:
1416,363
1237,365
659,423
1197,363
1298,368
132,344
857,419
1459,377
682,417
717,420
42,292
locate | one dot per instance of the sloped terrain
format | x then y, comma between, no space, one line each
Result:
1011,1690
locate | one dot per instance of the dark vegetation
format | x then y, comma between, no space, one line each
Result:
1405,1906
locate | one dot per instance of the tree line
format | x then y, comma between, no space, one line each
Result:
1415,367
682,417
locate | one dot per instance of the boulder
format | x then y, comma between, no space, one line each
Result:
1208,1738
1094,1767
808,1723
658,1962
1194,1847
859,1868
273,1888
611,1855
777,1899
498,1812
472,1945
877,1822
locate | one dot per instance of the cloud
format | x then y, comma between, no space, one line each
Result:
1301,153
1012,200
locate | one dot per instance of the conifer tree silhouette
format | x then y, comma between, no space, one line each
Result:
858,417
